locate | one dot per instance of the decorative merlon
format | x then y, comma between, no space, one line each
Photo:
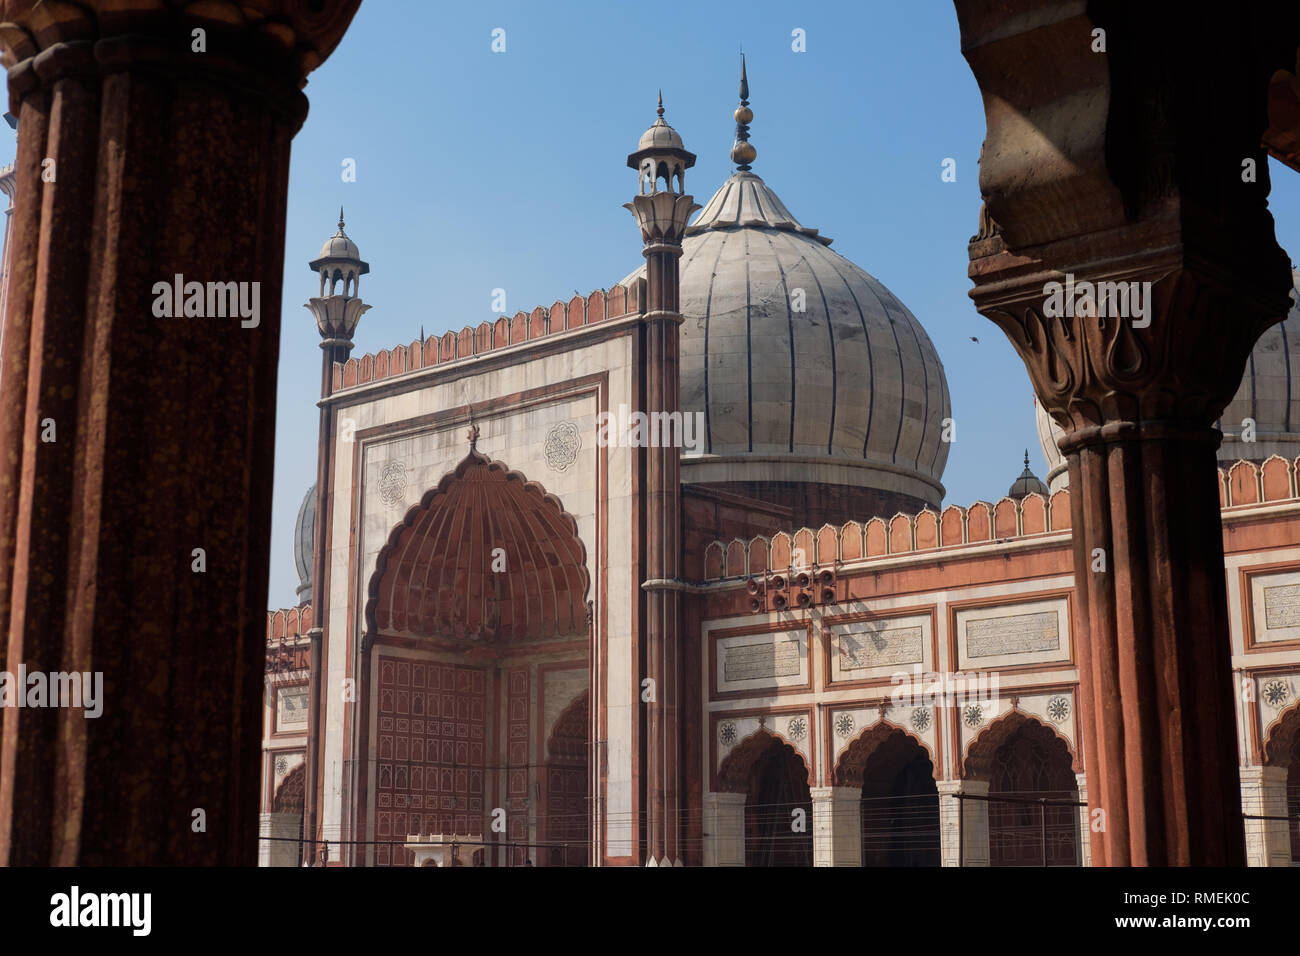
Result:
599,306
1241,485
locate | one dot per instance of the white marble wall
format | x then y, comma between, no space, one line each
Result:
516,436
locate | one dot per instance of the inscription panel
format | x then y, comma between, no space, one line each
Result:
867,650
1034,632
1281,606
291,708
1015,634
757,661
1275,606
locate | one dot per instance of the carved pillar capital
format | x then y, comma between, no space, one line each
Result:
1149,346
265,46
662,218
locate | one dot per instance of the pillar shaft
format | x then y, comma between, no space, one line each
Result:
167,162
837,826
1263,794
1131,261
963,824
663,558
662,218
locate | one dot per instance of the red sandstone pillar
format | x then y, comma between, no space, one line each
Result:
1110,158
662,217
170,156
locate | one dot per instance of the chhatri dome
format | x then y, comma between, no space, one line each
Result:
1269,394
819,389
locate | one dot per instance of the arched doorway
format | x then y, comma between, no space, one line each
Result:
1282,749
478,600
1024,763
289,794
568,785
900,800
778,801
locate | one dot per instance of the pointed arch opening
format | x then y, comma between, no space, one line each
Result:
1025,762
478,624
778,800
900,800
1282,749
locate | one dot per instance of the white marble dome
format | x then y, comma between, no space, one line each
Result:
847,390
1269,394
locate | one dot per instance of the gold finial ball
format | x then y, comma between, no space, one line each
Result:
744,115
742,154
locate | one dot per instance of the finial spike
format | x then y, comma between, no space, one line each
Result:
1026,457
660,111
340,218
742,152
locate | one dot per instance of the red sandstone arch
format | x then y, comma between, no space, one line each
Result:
979,755
733,774
289,794
1283,735
434,576
849,768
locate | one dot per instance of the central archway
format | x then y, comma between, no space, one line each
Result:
478,631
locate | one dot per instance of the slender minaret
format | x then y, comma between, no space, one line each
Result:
337,311
662,215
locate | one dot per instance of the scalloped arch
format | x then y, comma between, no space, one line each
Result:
978,757
1280,739
853,761
434,575
733,773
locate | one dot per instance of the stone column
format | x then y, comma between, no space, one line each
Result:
963,824
279,843
1130,259
1085,821
136,440
1263,794
837,826
724,829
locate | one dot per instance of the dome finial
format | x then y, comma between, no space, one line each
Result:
742,153
660,110
1026,457
340,219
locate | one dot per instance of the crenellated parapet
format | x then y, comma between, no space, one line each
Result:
1241,484
599,306
1247,483
287,643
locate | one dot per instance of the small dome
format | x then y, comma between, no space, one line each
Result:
1269,395
339,246
1027,483
660,136
304,534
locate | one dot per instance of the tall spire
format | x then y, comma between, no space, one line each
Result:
742,153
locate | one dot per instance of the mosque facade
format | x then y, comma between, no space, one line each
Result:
664,575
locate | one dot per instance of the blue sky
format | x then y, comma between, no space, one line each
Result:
478,170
